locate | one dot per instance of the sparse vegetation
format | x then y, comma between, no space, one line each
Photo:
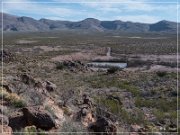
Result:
60,66
72,128
112,70
128,95
13,99
161,73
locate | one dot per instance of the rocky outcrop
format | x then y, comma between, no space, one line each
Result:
85,115
43,85
39,117
31,116
17,117
103,125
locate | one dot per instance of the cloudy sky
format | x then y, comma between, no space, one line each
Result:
148,11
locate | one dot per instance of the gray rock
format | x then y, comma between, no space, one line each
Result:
39,117
50,86
4,119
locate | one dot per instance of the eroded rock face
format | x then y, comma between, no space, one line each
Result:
31,116
104,125
17,121
38,117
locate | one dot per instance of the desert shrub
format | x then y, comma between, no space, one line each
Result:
112,105
138,63
112,70
131,88
12,98
104,81
15,100
161,73
172,75
72,127
115,108
169,64
132,117
60,66
67,111
3,93
30,130
161,104
19,103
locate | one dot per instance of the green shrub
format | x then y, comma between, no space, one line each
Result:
161,73
107,81
135,117
13,99
162,104
112,70
60,66
19,103
112,105
30,130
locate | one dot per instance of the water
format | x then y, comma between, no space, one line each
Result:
107,65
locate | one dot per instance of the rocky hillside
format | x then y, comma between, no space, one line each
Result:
69,96
16,23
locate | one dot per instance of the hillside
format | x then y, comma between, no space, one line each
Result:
16,23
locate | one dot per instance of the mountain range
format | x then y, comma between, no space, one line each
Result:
16,23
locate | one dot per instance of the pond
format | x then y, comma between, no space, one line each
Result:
107,65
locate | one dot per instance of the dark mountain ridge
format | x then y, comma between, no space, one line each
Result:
15,23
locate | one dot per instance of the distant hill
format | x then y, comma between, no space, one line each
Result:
15,23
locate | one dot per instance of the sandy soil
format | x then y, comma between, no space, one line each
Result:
162,58
47,48
162,68
80,56
26,41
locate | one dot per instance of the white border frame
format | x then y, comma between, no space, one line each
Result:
80,2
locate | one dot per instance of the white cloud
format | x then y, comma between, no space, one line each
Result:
38,9
101,9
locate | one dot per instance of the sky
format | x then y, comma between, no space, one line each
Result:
146,11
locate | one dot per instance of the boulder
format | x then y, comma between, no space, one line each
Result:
39,117
84,111
39,85
50,86
28,80
17,121
104,125
30,116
